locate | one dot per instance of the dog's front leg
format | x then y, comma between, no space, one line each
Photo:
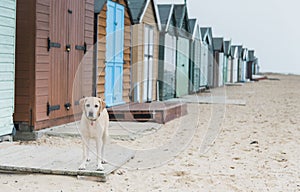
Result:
85,153
99,155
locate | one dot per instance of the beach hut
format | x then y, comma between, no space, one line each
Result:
250,64
256,66
144,51
235,57
183,49
52,38
113,22
230,64
243,65
240,63
167,52
205,41
207,56
218,61
227,45
195,56
7,65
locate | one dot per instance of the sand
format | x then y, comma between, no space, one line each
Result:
217,148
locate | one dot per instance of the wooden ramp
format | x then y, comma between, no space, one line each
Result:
63,160
159,112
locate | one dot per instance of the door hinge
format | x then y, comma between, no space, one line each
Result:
52,108
52,44
81,47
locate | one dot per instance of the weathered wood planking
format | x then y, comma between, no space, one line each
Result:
63,160
159,112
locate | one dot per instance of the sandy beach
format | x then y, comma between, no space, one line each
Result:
252,147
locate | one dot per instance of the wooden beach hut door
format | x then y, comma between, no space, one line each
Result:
66,49
182,67
114,54
148,63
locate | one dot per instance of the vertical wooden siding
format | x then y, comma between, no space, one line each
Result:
101,44
25,52
7,62
42,66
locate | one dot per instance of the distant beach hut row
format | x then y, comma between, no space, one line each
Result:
53,52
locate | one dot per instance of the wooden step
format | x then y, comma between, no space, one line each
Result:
159,112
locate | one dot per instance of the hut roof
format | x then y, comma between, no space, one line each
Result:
206,35
98,5
181,20
251,56
239,51
165,14
236,51
244,54
218,44
137,8
203,32
193,27
227,45
179,11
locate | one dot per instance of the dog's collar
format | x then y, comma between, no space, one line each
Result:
93,122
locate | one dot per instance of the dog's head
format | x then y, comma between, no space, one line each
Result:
92,107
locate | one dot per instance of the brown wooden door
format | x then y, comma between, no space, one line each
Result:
76,41
66,51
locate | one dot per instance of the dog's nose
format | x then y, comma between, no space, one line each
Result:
91,114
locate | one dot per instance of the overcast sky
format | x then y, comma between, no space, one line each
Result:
270,27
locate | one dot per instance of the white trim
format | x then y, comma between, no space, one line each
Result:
169,19
195,28
157,15
144,11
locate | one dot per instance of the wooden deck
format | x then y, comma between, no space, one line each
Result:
159,112
63,160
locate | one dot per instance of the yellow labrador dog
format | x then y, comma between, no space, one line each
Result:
93,125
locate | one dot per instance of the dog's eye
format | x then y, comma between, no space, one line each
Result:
96,106
88,105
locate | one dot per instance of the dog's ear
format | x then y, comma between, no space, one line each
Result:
102,104
81,103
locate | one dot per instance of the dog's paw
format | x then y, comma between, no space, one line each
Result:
100,168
